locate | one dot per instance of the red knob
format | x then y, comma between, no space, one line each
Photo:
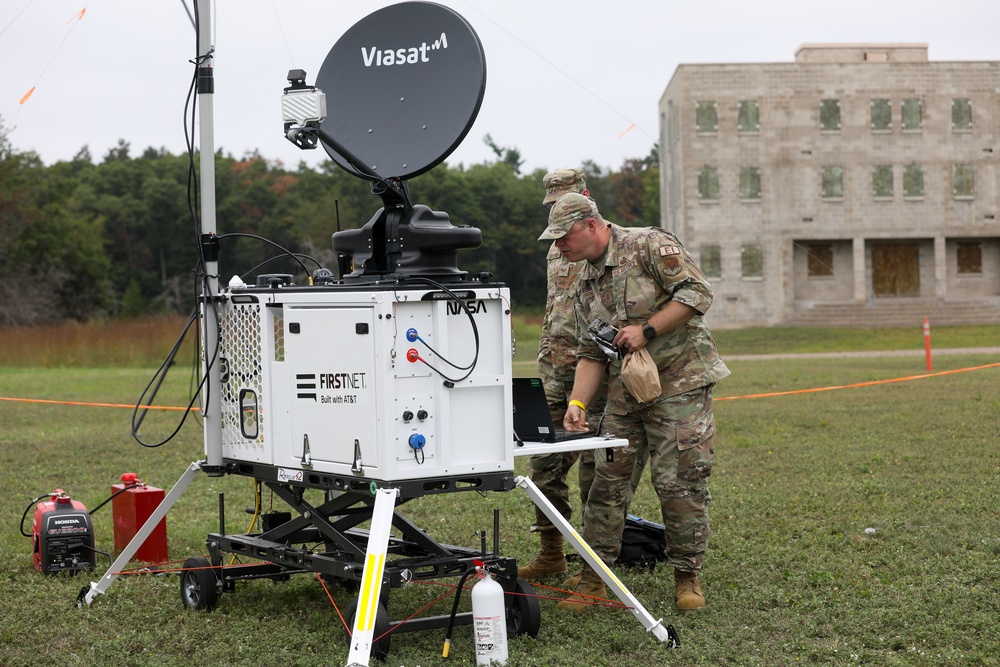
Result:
412,355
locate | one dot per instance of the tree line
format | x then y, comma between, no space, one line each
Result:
85,240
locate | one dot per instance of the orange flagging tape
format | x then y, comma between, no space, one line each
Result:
630,128
27,95
716,398
92,405
78,16
859,384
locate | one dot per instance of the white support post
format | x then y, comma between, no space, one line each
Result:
582,548
98,588
363,633
212,394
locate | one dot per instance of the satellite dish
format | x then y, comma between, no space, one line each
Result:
403,88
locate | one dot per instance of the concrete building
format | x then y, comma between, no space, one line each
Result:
856,186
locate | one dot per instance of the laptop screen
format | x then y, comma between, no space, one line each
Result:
532,420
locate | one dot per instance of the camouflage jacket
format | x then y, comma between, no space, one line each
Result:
643,270
557,347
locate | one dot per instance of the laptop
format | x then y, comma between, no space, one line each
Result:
532,421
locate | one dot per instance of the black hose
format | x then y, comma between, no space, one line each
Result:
91,512
454,610
26,509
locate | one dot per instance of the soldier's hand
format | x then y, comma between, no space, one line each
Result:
630,338
575,419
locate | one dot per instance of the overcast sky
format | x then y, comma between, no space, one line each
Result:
566,81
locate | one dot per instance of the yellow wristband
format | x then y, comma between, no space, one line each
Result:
578,404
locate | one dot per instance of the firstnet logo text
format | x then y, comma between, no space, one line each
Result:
378,57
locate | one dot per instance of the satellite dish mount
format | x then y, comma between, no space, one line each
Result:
394,97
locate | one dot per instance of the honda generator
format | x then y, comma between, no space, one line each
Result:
62,535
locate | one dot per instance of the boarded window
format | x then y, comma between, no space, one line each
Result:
820,259
881,116
912,115
833,182
961,115
708,184
829,115
961,180
748,118
750,183
706,117
752,261
896,269
913,181
711,261
882,181
970,257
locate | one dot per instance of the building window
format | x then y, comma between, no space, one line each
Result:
970,257
912,115
750,184
833,182
711,261
752,261
913,181
882,181
820,259
708,184
829,115
748,117
706,118
961,115
881,116
962,181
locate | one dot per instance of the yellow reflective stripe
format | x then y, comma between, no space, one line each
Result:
366,606
599,560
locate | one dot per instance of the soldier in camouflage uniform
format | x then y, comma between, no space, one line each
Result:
556,366
646,285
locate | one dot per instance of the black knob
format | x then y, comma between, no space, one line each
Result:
421,415
407,416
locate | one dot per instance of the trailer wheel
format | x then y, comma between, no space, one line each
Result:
199,585
524,614
380,647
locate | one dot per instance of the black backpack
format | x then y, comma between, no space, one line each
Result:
643,544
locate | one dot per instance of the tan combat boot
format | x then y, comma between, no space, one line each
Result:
572,582
551,558
689,596
589,591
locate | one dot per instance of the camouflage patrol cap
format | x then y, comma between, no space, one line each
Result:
561,181
569,210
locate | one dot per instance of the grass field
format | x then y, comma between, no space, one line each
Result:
792,575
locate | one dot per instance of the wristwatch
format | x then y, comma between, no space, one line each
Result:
648,331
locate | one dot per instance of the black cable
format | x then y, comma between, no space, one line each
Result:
279,247
111,561
441,356
472,319
277,257
26,509
129,485
164,365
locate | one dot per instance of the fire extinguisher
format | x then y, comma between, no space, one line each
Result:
489,620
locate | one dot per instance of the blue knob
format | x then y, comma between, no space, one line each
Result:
417,441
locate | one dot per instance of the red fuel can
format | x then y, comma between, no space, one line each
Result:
131,508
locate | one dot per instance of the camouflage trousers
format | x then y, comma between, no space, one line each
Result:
550,472
678,434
